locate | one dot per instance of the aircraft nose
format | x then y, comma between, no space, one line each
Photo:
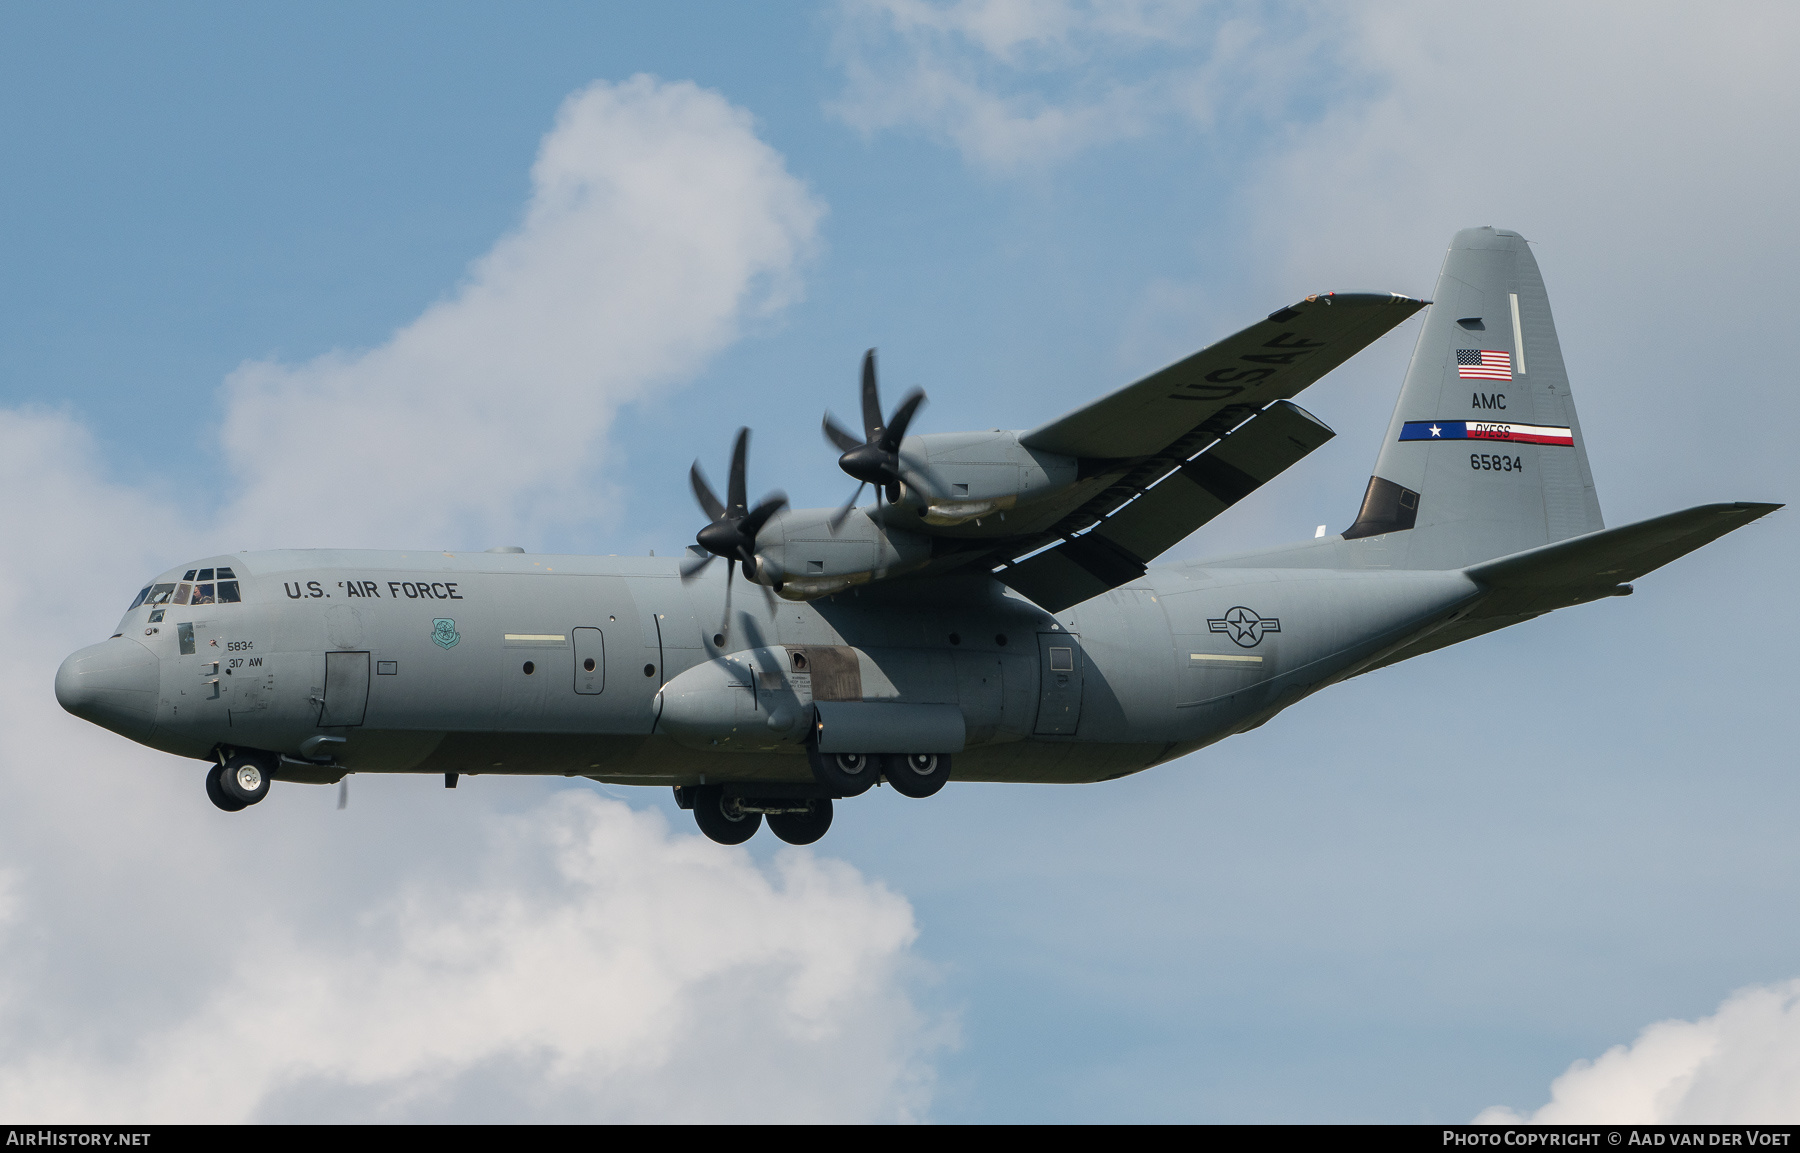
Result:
113,684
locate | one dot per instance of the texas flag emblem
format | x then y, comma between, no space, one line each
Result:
1486,430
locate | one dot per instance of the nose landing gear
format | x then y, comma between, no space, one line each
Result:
239,782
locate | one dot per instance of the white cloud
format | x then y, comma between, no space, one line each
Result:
1741,1065
421,956
1342,146
658,223
1016,86
598,969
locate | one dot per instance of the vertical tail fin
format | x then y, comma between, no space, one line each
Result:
1484,454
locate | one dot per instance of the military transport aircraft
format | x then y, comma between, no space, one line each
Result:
993,608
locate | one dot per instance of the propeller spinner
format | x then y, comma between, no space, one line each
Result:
733,528
875,459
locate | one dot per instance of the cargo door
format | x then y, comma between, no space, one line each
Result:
1059,677
346,696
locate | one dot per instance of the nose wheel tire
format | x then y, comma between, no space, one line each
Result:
847,774
720,818
802,828
917,774
238,783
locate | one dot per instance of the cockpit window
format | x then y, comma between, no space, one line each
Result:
223,593
209,591
188,576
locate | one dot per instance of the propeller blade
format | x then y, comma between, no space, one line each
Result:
709,504
690,568
842,514
734,487
836,434
730,571
343,794
768,599
896,430
871,400
759,516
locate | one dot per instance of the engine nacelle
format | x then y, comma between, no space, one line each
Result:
799,556
972,477
977,475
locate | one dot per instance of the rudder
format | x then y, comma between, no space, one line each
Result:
1484,455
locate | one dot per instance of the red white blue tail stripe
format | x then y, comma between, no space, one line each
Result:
1485,430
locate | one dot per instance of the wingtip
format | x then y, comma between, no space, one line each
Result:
1355,299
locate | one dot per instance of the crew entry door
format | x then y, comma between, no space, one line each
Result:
1059,680
590,661
346,689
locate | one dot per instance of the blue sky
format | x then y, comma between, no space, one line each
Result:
1418,895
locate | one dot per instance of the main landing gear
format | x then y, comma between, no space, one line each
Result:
732,817
239,781
911,774
731,820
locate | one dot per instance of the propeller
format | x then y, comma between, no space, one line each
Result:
732,530
875,459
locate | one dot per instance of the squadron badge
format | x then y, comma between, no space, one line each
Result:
443,632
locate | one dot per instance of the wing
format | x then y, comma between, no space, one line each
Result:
1143,522
1271,360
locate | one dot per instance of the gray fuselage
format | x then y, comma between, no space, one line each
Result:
477,663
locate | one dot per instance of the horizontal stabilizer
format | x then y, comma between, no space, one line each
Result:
1119,548
1271,360
1579,569
1586,567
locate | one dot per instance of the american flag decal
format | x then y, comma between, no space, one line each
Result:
1483,364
